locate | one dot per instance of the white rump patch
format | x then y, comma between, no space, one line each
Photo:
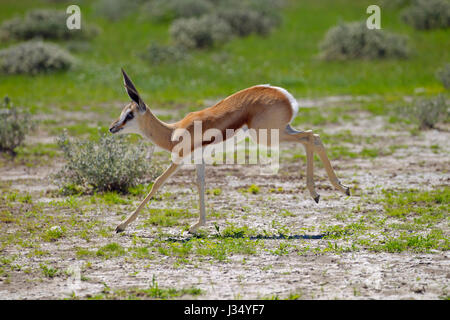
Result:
290,97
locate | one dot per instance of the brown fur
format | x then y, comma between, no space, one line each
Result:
258,107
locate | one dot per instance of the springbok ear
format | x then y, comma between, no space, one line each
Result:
132,92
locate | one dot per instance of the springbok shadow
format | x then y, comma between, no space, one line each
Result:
292,237
255,237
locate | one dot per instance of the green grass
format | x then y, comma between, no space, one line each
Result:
215,192
154,291
81,129
48,271
110,250
54,233
287,57
38,153
222,249
84,252
253,189
422,205
232,241
110,198
417,243
406,221
233,231
410,220
166,217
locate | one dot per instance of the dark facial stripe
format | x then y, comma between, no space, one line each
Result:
129,116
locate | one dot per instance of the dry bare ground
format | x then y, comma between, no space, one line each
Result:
265,237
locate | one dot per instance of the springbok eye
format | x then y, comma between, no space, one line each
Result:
129,116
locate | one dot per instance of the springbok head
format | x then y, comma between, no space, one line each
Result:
128,119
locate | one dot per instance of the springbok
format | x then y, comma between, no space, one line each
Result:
258,107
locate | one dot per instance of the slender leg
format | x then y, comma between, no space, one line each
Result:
313,143
305,138
158,183
310,172
200,168
320,150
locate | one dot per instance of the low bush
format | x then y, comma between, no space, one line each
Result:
429,112
157,54
394,3
115,10
34,57
207,23
426,112
427,14
45,24
444,75
245,22
167,10
260,5
14,126
206,31
270,9
110,164
354,40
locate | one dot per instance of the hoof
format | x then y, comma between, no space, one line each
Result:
316,199
192,231
347,192
119,229
194,228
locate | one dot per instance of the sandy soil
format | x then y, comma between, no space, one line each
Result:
343,275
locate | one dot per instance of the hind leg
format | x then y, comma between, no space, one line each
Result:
305,138
313,143
320,150
310,172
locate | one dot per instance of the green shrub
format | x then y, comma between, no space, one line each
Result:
206,23
444,75
394,3
427,14
167,10
206,31
426,112
34,57
429,112
14,126
266,6
355,41
157,54
111,164
269,9
46,24
115,10
245,21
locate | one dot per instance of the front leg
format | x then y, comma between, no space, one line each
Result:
158,183
200,169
